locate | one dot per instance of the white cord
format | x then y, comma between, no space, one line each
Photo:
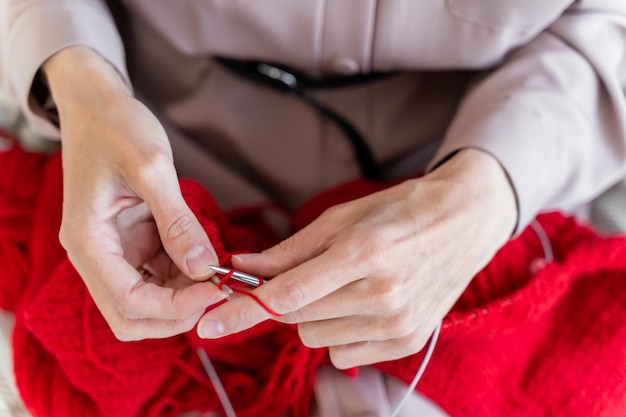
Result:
230,412
217,384
420,371
548,253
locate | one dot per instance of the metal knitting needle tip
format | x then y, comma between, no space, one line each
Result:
239,276
215,280
219,269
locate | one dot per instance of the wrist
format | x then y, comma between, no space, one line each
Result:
481,182
78,76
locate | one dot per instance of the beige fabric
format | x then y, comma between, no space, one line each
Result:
275,140
10,404
371,394
32,31
321,36
549,106
608,212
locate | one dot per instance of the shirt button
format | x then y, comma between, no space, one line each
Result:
344,66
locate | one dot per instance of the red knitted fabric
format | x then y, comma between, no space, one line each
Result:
20,176
515,344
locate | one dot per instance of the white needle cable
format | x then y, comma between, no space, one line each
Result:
420,371
217,384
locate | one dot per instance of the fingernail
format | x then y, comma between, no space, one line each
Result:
243,257
198,260
209,329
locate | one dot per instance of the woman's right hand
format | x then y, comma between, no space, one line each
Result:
123,212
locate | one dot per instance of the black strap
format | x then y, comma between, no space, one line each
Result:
287,80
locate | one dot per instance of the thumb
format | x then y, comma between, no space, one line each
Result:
181,234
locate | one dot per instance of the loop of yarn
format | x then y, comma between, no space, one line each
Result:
238,287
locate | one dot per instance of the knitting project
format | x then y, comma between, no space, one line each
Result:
515,344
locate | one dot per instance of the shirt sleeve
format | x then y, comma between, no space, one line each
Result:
554,113
34,30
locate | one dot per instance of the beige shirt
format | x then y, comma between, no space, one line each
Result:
536,83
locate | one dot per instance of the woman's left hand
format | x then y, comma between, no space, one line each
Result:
371,278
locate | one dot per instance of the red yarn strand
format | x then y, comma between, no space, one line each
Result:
237,289
250,294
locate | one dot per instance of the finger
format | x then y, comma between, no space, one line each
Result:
128,330
113,282
285,293
147,300
365,296
354,329
120,294
236,315
181,233
367,353
296,249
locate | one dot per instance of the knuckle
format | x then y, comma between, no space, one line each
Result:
186,313
67,235
390,297
293,297
149,163
127,306
333,212
294,317
180,311
242,318
309,337
127,311
181,226
173,307
188,324
377,252
361,244
351,246
413,343
401,325
122,330
339,358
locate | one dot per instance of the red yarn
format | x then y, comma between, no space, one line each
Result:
238,288
515,344
20,177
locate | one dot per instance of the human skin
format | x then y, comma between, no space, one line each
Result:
118,180
370,279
